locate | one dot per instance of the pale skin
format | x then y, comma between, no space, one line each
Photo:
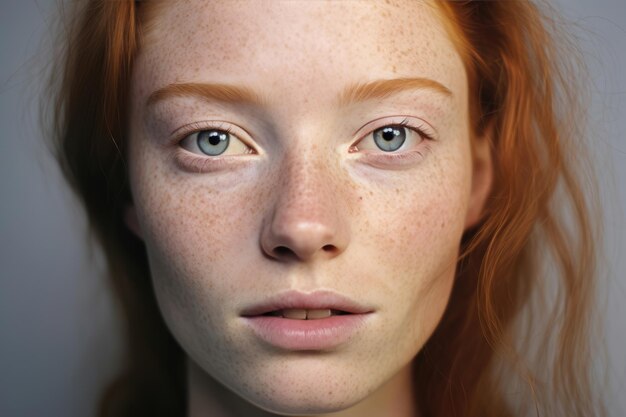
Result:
303,198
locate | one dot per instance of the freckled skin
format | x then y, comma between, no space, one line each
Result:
395,232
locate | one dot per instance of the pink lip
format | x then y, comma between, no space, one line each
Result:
319,334
314,300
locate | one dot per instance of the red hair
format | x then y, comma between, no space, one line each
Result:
522,89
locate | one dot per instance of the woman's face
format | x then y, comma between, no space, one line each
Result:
291,155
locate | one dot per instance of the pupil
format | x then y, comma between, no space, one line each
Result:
214,138
389,134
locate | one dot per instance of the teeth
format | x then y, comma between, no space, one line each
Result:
294,313
317,314
302,314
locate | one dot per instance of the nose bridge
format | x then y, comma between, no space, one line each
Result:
306,185
306,219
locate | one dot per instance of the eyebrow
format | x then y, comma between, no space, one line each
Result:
383,88
354,93
220,92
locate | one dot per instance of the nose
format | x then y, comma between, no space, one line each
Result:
306,219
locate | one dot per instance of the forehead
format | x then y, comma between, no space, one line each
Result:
303,44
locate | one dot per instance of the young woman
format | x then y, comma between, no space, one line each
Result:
347,208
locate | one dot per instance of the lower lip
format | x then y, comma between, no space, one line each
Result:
318,334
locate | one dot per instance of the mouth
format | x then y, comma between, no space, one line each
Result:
305,314
302,306
317,321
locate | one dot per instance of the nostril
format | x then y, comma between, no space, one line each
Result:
282,251
285,252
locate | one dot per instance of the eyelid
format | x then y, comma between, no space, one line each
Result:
420,126
411,121
185,131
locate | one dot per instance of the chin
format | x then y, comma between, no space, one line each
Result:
313,402
286,389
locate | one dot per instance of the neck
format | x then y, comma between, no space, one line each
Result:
207,397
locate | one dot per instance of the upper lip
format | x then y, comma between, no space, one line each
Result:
321,299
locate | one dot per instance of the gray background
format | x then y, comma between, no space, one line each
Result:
58,333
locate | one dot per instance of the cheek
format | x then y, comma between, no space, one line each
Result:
191,225
201,237
411,235
415,226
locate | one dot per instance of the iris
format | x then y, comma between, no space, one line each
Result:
213,142
390,138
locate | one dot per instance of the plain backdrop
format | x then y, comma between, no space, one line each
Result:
58,331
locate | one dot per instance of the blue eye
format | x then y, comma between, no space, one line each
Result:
390,138
213,142
394,138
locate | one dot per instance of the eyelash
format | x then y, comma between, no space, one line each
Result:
421,129
195,127
199,163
